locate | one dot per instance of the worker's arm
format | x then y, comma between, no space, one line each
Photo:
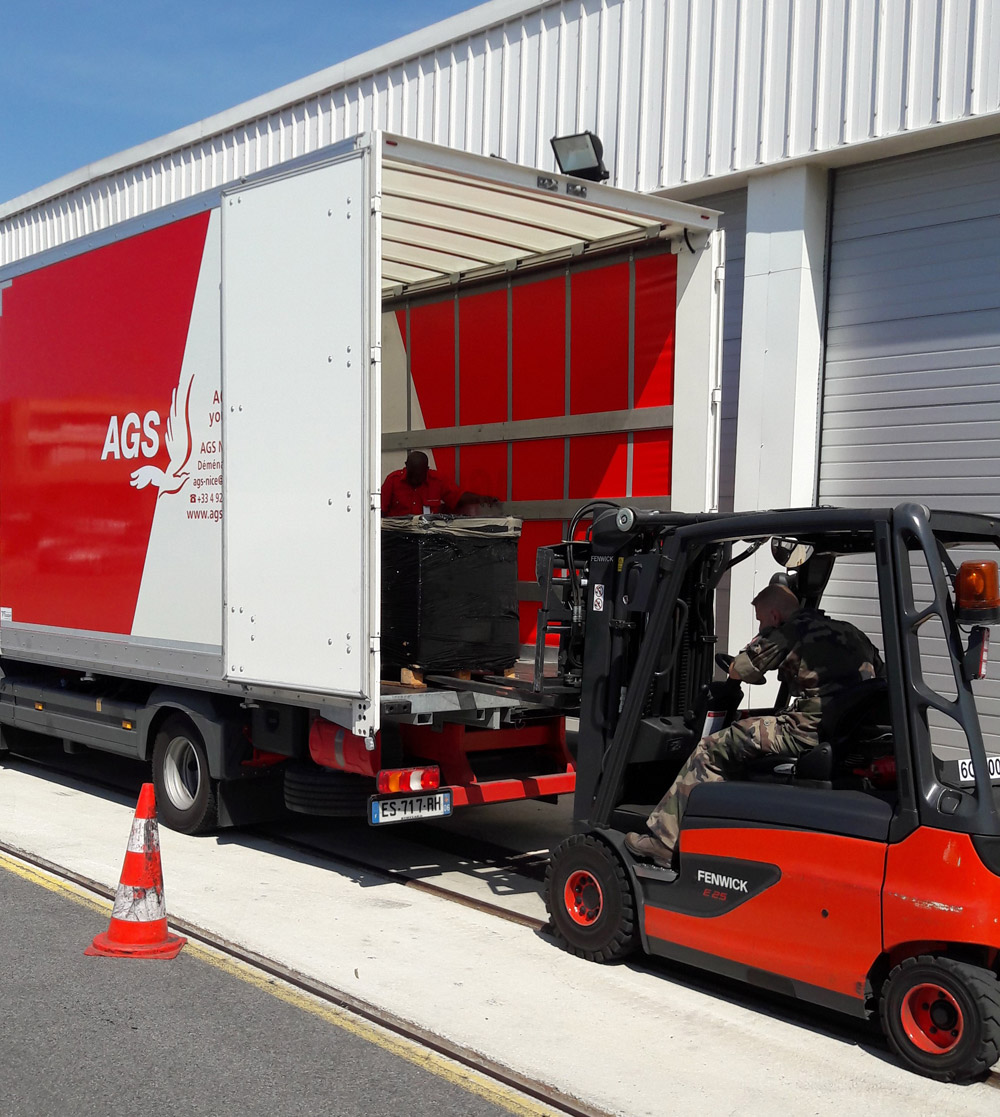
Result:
387,494
764,653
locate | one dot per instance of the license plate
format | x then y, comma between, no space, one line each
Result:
407,808
962,772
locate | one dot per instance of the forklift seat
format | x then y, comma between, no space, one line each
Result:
855,720
851,707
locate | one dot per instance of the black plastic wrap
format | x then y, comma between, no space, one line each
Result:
449,593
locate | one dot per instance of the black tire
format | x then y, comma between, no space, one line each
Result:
312,790
185,792
590,901
942,1017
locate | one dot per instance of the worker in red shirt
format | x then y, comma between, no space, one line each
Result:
417,490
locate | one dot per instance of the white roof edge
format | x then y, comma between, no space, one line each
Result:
651,206
870,150
426,39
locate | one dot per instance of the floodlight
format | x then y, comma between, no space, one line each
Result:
580,155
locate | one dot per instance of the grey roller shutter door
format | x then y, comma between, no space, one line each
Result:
911,396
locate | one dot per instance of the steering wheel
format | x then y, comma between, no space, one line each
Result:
724,661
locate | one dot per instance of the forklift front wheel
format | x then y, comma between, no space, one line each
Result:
589,900
942,1017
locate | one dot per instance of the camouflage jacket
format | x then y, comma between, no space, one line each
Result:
814,654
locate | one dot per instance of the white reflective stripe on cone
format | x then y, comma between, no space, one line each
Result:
145,836
138,905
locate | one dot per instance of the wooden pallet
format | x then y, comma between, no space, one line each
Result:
414,676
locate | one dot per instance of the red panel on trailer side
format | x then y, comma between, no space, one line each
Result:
651,462
538,349
432,361
655,321
538,467
599,339
483,469
90,350
482,358
598,466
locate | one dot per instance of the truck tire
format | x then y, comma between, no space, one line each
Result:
310,789
590,900
185,792
942,1017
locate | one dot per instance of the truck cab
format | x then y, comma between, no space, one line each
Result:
863,874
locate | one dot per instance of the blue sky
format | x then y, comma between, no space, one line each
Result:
83,79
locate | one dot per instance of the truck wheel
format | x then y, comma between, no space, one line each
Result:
590,901
310,789
942,1017
185,793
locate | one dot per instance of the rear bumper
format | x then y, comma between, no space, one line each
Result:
505,791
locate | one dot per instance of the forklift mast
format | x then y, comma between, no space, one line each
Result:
636,613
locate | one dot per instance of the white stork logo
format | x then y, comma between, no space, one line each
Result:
178,442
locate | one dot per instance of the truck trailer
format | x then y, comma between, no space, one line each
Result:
192,403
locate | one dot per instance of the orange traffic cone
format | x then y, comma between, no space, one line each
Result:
138,927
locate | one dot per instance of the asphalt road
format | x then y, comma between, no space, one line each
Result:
195,1035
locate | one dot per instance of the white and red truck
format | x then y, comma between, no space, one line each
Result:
195,405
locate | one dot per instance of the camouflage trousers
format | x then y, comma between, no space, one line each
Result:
721,754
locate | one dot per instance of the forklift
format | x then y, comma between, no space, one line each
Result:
862,875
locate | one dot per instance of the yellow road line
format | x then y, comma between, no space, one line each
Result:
45,880
467,1079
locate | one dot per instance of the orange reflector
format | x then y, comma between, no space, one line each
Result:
126,725
393,780
39,706
977,591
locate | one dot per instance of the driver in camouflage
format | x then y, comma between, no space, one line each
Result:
816,656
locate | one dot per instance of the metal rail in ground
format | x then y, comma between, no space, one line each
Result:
499,857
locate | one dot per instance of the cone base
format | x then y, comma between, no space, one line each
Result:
107,947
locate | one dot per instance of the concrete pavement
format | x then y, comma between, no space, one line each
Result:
628,1040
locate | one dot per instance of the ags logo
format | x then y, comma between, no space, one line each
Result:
133,438
129,443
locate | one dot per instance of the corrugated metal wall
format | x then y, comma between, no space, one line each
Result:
912,386
680,91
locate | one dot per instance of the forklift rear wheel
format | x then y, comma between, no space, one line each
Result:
185,794
942,1017
590,901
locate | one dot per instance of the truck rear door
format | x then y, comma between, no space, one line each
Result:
300,338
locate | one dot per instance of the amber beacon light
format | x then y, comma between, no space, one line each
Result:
977,593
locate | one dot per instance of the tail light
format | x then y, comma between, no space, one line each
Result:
977,593
390,781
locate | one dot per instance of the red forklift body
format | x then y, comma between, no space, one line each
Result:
862,874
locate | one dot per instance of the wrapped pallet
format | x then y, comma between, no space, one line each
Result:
449,593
